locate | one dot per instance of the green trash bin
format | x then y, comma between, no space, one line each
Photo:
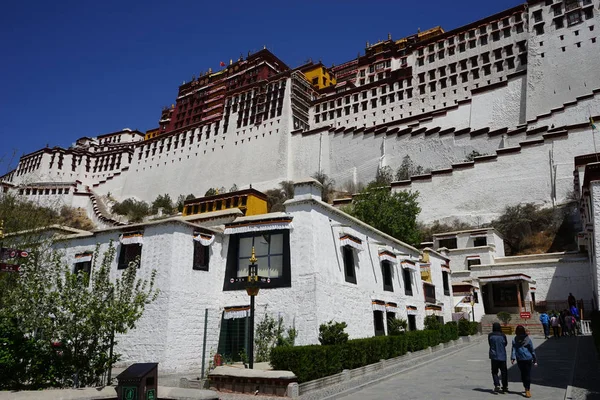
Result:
138,382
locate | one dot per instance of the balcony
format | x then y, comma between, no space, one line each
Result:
429,291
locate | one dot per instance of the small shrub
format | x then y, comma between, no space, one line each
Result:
333,333
432,323
504,317
397,326
162,201
133,209
449,332
466,327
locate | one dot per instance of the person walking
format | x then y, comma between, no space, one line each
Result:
523,353
561,321
497,341
568,324
545,320
554,322
571,300
573,331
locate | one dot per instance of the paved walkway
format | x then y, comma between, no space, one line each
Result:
586,382
466,375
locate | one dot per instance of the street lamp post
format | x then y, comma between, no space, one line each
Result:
252,290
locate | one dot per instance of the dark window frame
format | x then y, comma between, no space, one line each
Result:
378,323
201,257
446,283
349,264
232,263
407,279
128,253
387,276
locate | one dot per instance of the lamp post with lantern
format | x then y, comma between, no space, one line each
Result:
252,290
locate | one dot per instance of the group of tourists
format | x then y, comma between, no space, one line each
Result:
563,323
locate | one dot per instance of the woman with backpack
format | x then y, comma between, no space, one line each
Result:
524,354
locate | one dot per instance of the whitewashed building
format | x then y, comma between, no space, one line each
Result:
321,265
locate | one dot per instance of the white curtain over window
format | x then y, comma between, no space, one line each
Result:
387,256
83,257
259,226
236,312
378,305
349,240
132,238
408,265
204,239
411,310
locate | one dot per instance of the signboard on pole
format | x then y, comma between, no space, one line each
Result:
7,254
525,315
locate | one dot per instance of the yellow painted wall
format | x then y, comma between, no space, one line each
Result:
253,205
151,134
324,77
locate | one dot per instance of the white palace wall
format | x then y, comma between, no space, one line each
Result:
473,190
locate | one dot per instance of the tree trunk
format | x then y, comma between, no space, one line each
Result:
110,356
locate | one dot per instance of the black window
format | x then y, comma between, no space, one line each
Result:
378,322
349,266
574,18
83,269
390,316
480,241
272,249
406,274
473,261
448,243
412,323
129,253
446,283
386,271
201,256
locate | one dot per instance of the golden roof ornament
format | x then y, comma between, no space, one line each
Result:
253,258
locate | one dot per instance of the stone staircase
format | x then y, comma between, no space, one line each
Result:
533,325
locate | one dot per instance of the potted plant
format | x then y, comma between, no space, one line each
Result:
505,317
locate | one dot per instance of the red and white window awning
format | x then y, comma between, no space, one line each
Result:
409,264
205,239
83,257
236,312
392,307
532,289
132,238
386,255
474,257
378,305
446,268
352,241
433,310
411,310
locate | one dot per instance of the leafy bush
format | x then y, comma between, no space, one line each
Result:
504,316
314,362
133,209
163,201
449,332
466,327
432,323
333,333
271,333
397,326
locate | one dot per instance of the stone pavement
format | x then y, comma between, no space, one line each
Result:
466,375
107,393
586,382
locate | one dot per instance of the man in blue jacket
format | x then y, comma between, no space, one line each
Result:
545,320
497,341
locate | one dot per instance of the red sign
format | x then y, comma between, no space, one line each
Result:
6,253
9,267
525,315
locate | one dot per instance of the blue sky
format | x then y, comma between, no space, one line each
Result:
74,68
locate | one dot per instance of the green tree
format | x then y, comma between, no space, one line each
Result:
134,210
211,192
276,197
328,185
392,213
271,333
181,200
67,327
397,326
432,323
164,202
471,156
384,176
408,168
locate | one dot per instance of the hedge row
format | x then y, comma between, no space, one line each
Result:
466,327
314,362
